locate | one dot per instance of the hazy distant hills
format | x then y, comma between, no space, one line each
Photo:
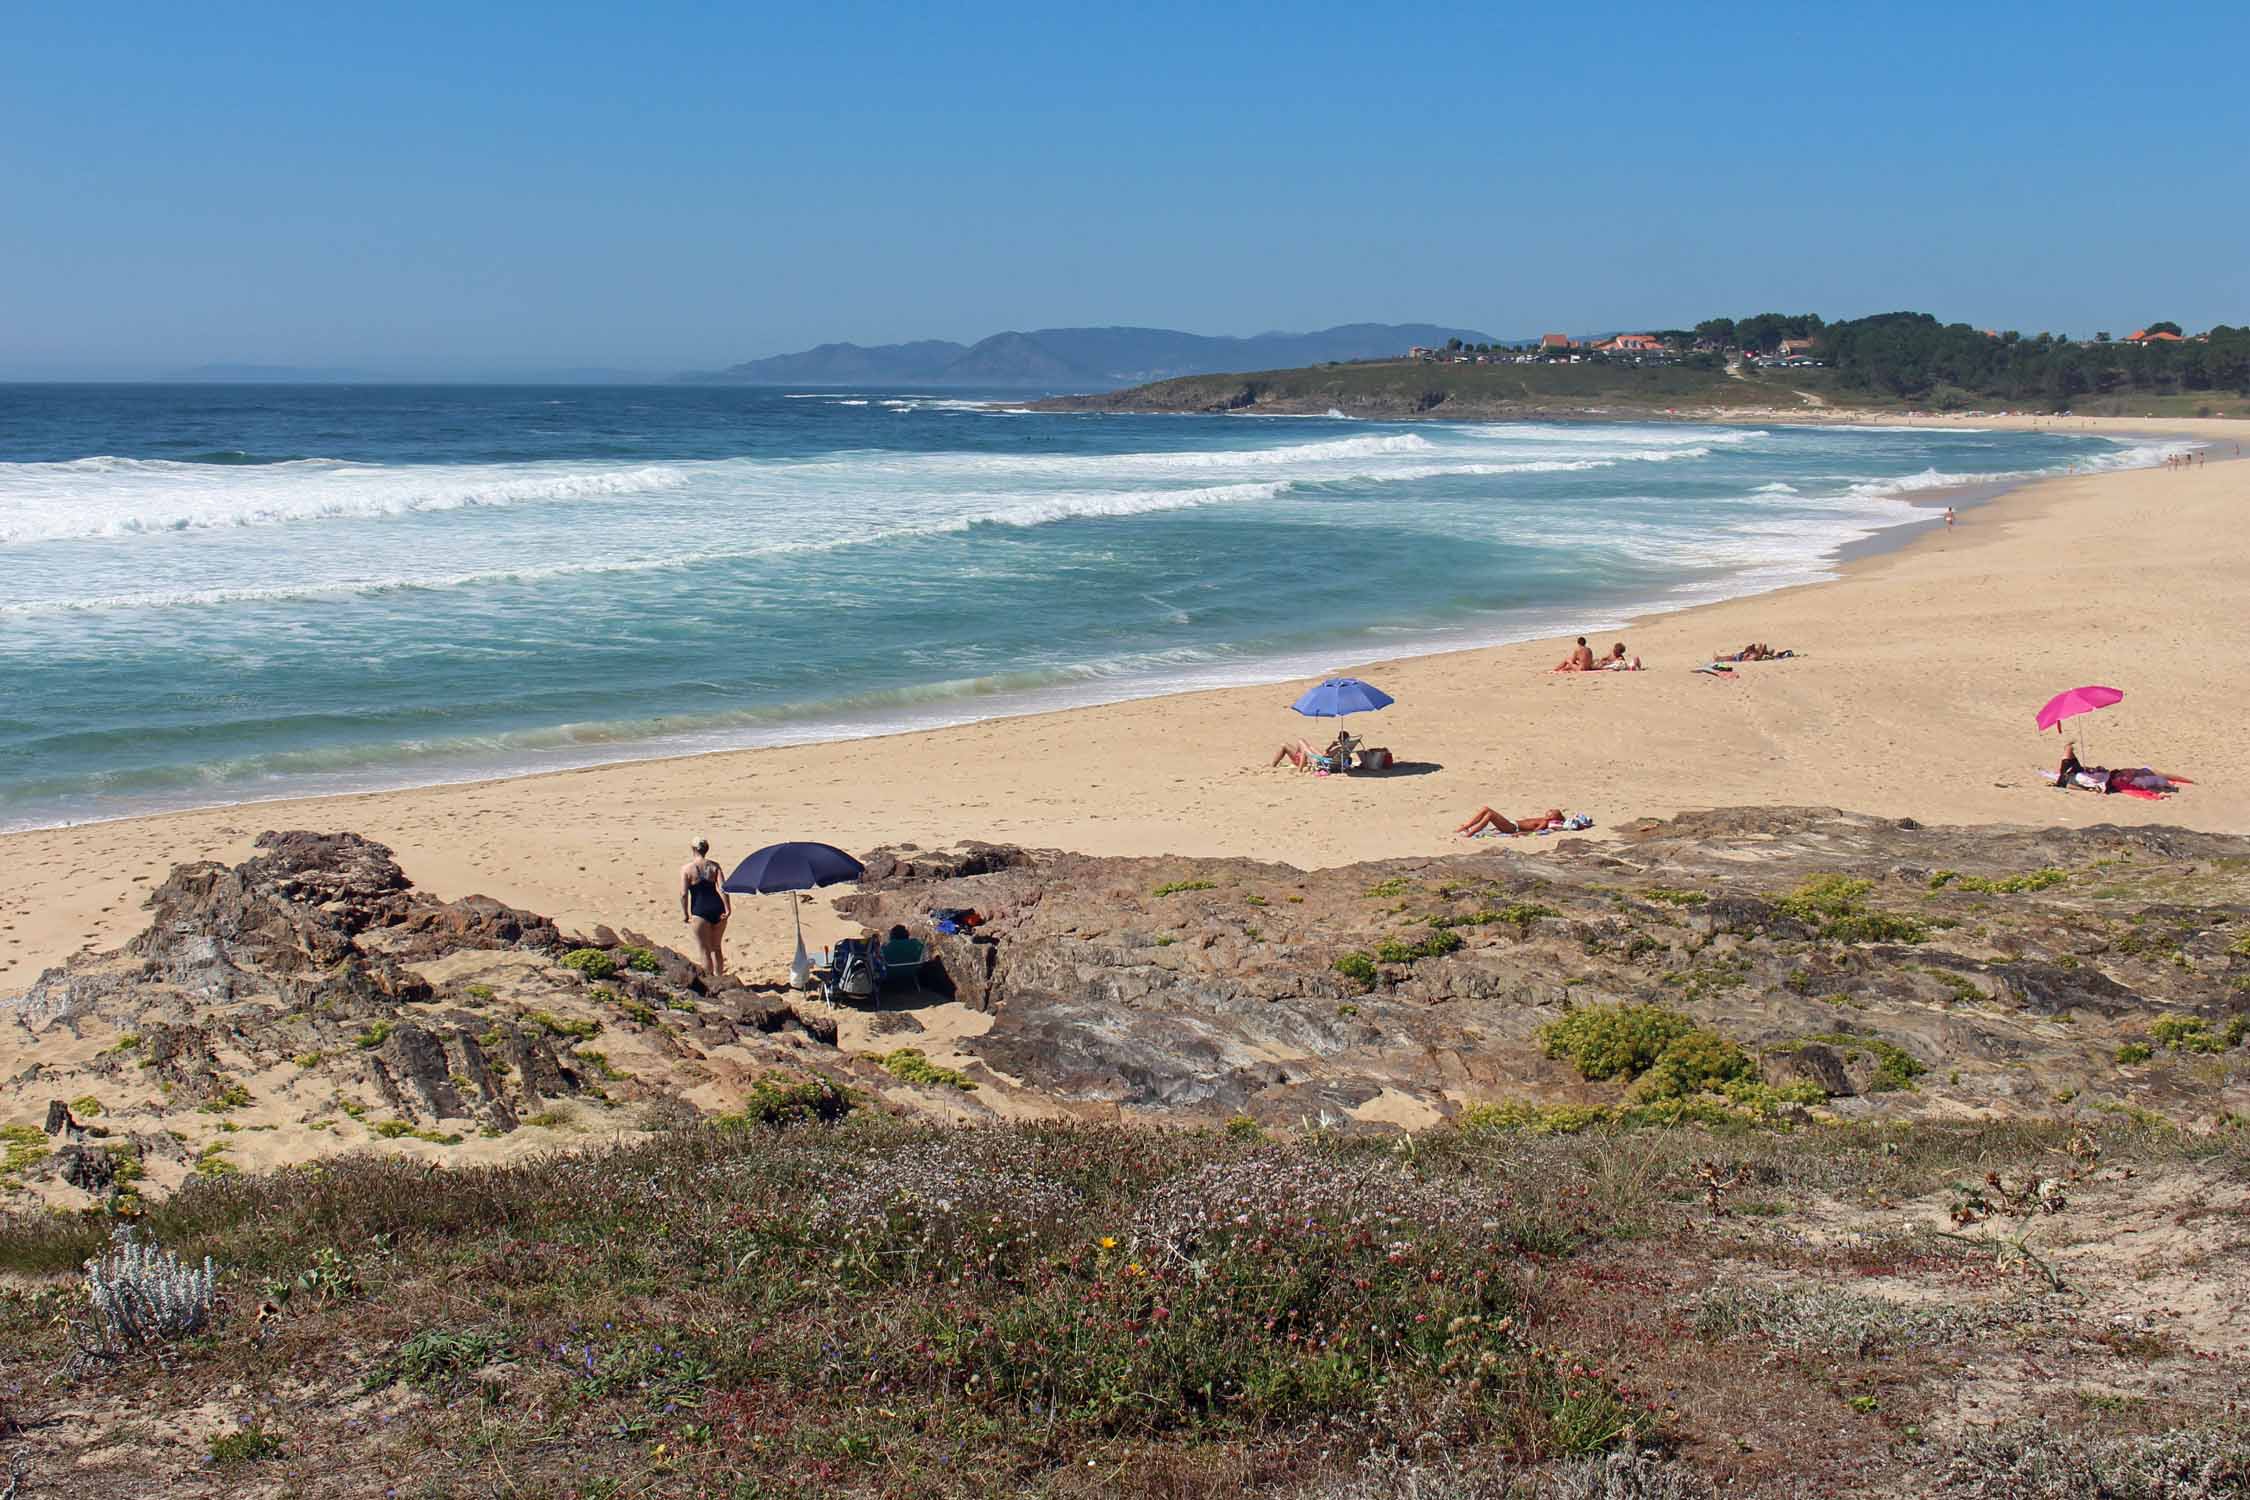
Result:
1078,358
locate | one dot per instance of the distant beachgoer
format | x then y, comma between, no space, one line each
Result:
1949,518
1616,662
705,906
1581,658
1486,818
1337,757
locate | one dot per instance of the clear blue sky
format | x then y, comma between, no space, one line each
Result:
464,188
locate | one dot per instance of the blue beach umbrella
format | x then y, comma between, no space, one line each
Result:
1342,695
794,867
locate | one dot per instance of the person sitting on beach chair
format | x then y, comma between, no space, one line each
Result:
901,958
1337,757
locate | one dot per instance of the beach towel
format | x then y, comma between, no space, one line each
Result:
1720,670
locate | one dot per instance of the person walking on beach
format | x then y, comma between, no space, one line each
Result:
705,906
1949,518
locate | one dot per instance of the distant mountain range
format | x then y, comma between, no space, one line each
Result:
1078,359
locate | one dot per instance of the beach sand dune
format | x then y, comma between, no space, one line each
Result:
1914,696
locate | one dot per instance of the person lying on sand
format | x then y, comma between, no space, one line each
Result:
1581,658
1337,757
1616,662
1486,818
1755,651
2072,775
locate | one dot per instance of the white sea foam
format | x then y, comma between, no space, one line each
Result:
117,497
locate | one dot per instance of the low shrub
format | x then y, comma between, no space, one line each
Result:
249,1445
1175,887
374,1036
593,963
1832,904
1531,1119
1611,1041
435,1360
2005,885
1358,967
782,1099
1437,944
2194,1034
1895,1067
2134,1052
641,960
908,1065
1692,1063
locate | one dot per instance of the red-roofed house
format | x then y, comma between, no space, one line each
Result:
2143,336
1790,347
1632,343
1557,341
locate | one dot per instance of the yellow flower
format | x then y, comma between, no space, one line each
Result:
1109,1242
1134,1269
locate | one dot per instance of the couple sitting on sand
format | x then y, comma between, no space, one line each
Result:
1301,754
1755,651
1488,821
1581,659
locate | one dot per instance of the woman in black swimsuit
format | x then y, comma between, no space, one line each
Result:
705,906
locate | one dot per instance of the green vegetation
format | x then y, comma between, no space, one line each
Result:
1895,1067
641,960
780,1099
1519,916
591,962
1358,967
86,1107
1913,357
1175,887
374,1036
212,1161
232,1096
1692,1063
248,1445
1436,945
1833,905
480,993
435,1360
2133,1052
391,1130
908,1065
2194,1034
1671,897
1391,889
22,1147
2006,885
1612,1041
638,1011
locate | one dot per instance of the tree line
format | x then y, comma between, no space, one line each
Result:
1913,356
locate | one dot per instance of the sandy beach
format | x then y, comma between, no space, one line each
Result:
1918,675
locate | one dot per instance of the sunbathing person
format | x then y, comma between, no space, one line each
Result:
1755,651
2073,775
1337,757
1486,818
1616,662
1581,658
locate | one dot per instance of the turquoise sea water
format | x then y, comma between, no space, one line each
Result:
217,593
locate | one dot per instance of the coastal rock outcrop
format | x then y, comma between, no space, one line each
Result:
1899,969
310,1000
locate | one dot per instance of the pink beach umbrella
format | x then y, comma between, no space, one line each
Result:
2079,700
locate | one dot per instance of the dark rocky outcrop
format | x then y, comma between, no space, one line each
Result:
1213,987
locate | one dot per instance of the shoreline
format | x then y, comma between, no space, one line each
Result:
384,778
607,837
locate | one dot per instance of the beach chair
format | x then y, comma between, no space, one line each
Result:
899,964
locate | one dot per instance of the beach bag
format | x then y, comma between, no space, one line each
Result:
1376,758
855,969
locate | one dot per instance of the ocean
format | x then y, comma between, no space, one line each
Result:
219,593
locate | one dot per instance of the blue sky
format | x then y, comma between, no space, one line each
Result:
463,189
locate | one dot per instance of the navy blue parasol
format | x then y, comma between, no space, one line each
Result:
1342,695
794,867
